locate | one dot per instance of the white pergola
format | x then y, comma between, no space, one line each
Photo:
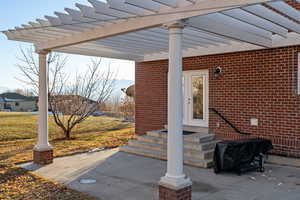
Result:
144,30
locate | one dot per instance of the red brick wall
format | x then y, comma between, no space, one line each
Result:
151,96
258,84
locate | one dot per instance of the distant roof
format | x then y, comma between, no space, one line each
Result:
12,96
1,99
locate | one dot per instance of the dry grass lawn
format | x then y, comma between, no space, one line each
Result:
18,132
18,184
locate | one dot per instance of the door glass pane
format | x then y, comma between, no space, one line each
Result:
197,91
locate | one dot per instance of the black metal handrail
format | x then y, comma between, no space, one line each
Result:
228,122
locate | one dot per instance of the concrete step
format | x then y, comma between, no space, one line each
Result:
201,147
193,153
205,163
147,145
197,137
199,163
152,139
144,140
144,152
205,155
197,129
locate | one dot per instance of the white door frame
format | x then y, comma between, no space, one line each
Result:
187,98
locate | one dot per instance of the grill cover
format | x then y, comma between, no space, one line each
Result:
232,155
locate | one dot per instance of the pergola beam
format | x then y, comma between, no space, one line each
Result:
139,23
98,53
144,37
130,42
204,35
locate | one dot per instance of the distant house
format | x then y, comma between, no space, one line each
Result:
17,102
70,104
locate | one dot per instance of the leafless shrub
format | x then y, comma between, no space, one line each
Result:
71,101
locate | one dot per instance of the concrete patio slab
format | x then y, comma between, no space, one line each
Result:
122,176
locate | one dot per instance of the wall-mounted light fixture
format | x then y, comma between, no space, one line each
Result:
217,71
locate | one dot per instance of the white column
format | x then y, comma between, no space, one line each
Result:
43,143
175,177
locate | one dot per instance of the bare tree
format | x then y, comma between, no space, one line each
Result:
75,102
71,101
29,69
127,108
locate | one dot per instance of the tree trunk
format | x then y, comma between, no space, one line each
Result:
68,134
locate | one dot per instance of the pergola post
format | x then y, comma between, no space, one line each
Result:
175,185
43,151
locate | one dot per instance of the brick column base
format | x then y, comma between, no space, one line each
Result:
43,157
171,194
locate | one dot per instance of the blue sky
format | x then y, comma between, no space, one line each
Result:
16,12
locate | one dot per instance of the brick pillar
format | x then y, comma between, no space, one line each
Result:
166,193
43,157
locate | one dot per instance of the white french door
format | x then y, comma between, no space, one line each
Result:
195,98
